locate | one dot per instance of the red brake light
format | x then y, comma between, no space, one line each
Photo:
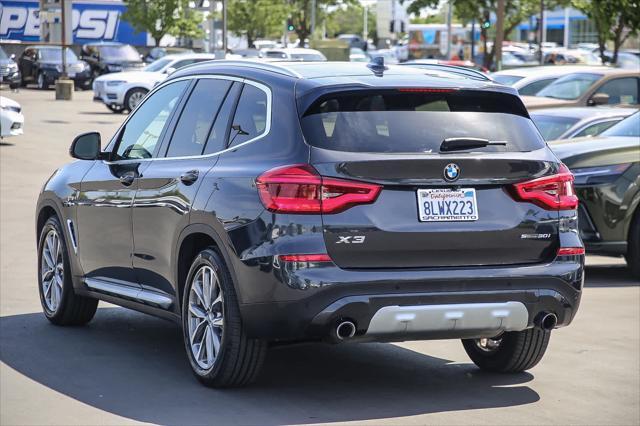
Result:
300,189
305,258
554,192
570,251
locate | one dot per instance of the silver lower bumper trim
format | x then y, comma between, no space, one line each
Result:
509,316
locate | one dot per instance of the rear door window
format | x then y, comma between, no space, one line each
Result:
250,119
621,90
417,121
197,118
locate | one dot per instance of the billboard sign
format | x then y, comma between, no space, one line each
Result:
92,21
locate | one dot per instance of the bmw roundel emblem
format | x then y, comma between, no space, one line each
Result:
451,172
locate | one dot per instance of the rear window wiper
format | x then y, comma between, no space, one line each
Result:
460,144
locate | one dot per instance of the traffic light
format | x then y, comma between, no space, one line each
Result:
290,26
486,24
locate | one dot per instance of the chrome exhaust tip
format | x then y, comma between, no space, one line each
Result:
547,321
345,330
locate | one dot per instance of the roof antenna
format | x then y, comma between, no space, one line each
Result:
377,65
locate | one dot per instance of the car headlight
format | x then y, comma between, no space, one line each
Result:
12,67
115,82
114,68
599,175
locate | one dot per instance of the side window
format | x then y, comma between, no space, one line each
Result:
621,90
535,87
197,117
183,63
219,134
250,119
595,129
143,130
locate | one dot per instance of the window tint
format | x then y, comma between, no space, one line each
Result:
219,134
595,129
409,121
143,130
250,119
535,87
621,90
197,118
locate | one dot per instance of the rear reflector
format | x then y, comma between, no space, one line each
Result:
300,189
554,192
305,258
570,251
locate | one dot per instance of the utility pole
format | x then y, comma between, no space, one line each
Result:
313,19
540,32
499,34
224,27
63,17
365,24
449,35
473,39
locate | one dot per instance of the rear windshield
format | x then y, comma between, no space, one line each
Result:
630,126
551,127
411,121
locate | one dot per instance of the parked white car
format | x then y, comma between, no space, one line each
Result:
293,54
122,91
530,80
11,118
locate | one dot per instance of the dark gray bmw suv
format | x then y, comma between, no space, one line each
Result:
256,203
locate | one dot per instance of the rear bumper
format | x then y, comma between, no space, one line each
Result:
326,296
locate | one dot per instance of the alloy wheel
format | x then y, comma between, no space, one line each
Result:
52,271
135,99
205,318
488,345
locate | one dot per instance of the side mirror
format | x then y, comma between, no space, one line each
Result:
599,99
170,70
86,146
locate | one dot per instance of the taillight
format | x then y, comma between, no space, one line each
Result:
570,251
300,189
553,192
304,258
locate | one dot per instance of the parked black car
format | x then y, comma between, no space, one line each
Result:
42,65
9,72
106,57
607,173
254,203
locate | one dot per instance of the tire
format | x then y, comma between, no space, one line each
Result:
116,109
516,351
133,98
633,246
59,302
42,81
238,359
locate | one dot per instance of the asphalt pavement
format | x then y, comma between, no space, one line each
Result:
125,367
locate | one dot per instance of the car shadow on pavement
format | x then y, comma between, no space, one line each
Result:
610,276
134,366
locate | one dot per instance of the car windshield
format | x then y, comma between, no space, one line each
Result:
630,126
508,80
122,52
552,127
308,57
569,87
413,122
3,55
158,65
53,54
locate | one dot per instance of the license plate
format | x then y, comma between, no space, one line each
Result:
447,205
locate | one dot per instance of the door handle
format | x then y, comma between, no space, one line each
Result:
189,177
127,179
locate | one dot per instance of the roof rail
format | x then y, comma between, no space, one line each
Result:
453,69
267,66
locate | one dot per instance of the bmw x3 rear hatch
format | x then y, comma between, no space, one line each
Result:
445,178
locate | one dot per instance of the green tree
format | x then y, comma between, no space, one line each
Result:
187,22
300,13
255,18
516,11
157,17
349,19
615,20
